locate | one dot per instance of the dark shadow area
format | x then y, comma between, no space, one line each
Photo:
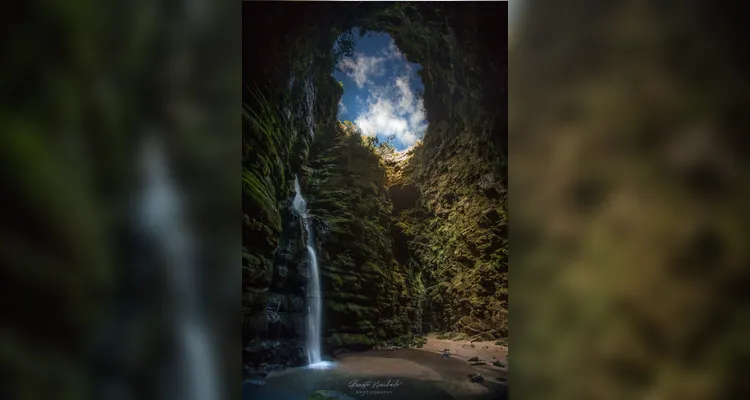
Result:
386,245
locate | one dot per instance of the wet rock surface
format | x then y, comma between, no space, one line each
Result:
273,355
380,227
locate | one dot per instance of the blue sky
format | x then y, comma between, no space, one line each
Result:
382,91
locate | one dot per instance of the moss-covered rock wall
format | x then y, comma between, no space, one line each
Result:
407,246
368,296
451,194
283,106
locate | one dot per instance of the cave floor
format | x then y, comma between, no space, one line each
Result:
412,374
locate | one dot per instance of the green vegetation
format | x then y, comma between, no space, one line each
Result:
406,244
450,196
347,188
277,123
447,335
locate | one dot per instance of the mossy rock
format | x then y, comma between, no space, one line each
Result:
255,299
250,260
418,341
447,335
329,395
365,326
259,271
348,187
336,279
354,340
257,192
336,306
371,267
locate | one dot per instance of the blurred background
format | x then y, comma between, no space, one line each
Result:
119,232
629,193
120,247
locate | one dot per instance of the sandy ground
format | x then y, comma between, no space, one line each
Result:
382,365
487,352
451,375
462,350
425,374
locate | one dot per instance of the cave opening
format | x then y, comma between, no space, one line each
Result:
406,255
382,89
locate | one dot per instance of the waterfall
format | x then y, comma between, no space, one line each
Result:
160,215
314,311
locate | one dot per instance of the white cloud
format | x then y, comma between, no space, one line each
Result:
407,149
417,117
394,110
407,98
390,109
361,68
391,52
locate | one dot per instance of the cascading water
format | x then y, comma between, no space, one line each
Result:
314,308
160,216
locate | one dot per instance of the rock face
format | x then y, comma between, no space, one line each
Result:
406,244
450,196
368,297
279,121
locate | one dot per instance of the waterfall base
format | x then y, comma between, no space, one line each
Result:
322,365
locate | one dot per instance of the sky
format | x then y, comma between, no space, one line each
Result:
382,91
